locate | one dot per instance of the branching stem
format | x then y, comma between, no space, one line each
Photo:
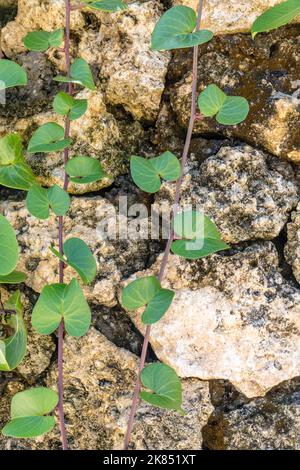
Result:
177,196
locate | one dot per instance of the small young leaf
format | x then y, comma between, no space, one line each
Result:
27,413
11,74
49,137
230,110
165,385
82,170
39,200
147,291
65,104
80,74
13,348
41,40
9,250
14,171
175,30
15,277
106,5
62,302
79,256
277,16
147,173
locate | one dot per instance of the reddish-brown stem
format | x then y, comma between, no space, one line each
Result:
136,393
61,328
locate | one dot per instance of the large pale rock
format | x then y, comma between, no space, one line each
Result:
292,247
99,380
86,219
269,423
233,317
265,71
135,75
247,193
231,16
97,134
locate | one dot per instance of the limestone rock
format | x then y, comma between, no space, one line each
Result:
233,317
269,423
99,379
292,247
247,193
36,15
86,219
265,71
135,75
231,16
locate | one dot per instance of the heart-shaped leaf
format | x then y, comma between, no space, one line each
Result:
106,5
27,413
147,173
80,73
165,385
82,170
13,348
49,137
277,16
229,110
9,250
41,40
147,291
65,104
15,277
175,30
39,200
11,74
59,302
78,255
14,171
196,249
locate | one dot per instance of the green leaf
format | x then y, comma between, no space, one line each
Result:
14,171
9,250
65,104
27,412
79,256
165,385
195,225
175,30
49,137
158,306
82,170
230,110
277,16
13,348
147,291
195,249
11,74
15,277
106,5
147,173
41,40
80,74
39,200
62,302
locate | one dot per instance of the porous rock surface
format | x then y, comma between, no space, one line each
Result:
292,246
233,317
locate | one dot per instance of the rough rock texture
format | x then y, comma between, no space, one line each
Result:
86,219
264,70
232,16
292,247
247,193
269,423
233,317
99,380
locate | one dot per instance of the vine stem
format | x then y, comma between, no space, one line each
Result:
136,393
61,329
